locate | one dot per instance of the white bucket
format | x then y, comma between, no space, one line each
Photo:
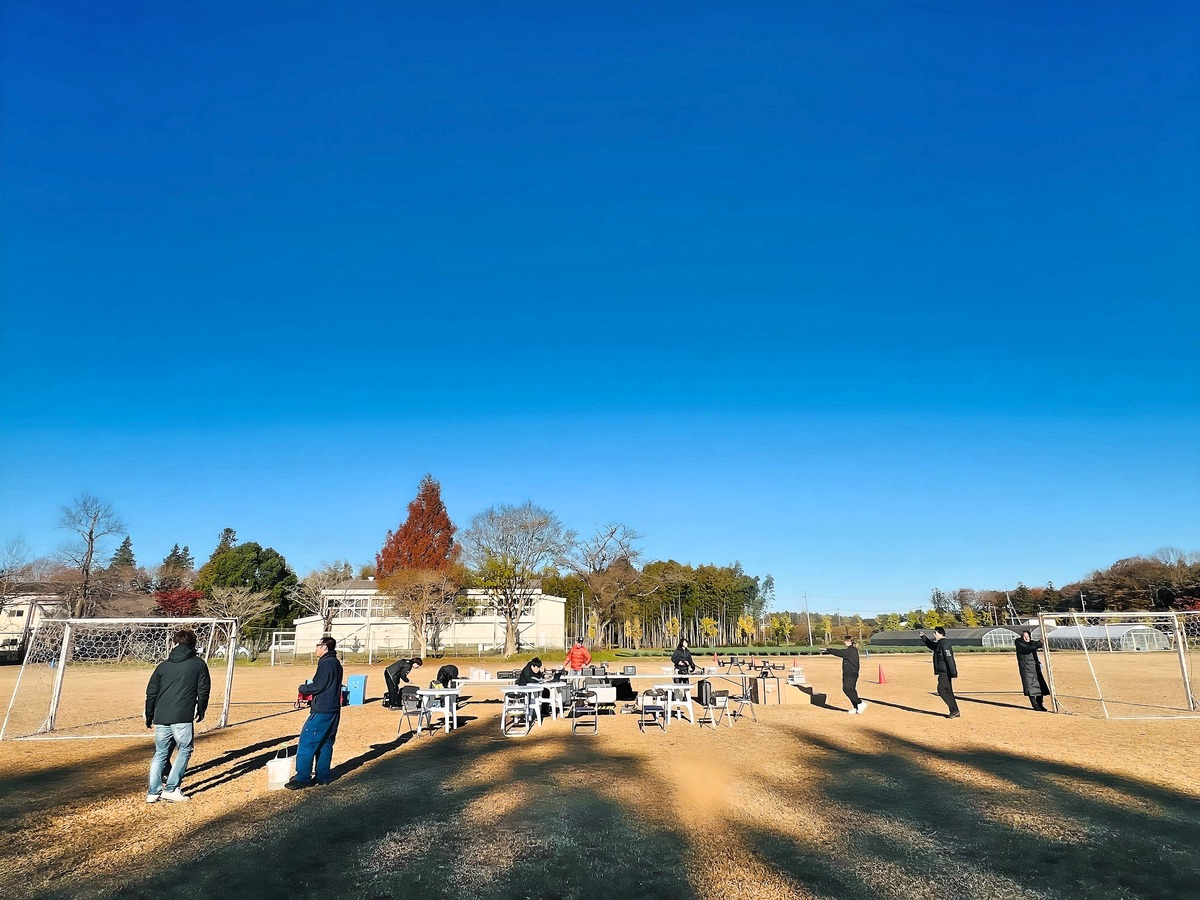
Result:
279,772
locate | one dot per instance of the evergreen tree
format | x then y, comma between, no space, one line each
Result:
123,559
227,541
425,540
175,571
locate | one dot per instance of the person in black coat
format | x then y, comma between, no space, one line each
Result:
944,667
446,674
1033,685
850,668
532,673
682,660
176,695
394,674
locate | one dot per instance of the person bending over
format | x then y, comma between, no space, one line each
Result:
396,673
849,657
446,676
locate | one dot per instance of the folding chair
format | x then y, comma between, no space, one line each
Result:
716,709
412,708
653,710
517,712
743,701
585,712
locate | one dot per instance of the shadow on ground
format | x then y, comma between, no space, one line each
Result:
565,817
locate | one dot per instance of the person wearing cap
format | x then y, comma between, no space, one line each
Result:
849,657
1033,683
944,667
577,657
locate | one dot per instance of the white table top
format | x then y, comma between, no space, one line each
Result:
525,688
436,692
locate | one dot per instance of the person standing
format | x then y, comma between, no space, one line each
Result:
944,667
577,657
394,674
176,695
1033,684
325,712
850,667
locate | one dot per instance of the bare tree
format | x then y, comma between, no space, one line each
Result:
315,594
238,603
426,598
14,568
90,520
507,546
607,563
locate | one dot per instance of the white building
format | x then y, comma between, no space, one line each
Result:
364,622
19,614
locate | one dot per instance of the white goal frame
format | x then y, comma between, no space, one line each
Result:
1181,630
41,651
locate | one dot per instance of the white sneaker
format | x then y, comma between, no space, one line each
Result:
862,707
175,796
852,711
152,798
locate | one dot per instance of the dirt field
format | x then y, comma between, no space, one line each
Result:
807,802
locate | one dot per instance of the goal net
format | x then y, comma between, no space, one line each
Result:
86,678
1127,665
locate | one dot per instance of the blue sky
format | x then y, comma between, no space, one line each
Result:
873,298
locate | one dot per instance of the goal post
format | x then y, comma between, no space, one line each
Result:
1121,665
86,678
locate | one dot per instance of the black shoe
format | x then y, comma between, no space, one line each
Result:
298,785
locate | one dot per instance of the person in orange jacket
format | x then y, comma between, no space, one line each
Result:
577,657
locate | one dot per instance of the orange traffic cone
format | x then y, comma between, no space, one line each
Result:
882,677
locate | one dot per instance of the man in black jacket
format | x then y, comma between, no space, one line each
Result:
849,658
176,694
394,674
944,667
324,714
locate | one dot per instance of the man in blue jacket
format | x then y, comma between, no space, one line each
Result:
176,694
325,712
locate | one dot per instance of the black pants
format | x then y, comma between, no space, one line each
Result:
850,689
393,689
946,692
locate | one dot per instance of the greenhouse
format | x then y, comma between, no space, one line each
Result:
1107,637
999,636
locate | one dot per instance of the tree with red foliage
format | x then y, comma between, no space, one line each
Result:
178,602
425,540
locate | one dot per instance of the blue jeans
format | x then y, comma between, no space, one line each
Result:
164,737
316,740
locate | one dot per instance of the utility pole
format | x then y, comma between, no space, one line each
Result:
808,619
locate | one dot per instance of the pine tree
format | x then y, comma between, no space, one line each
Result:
123,559
425,540
227,541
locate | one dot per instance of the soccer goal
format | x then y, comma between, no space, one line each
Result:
1127,665
86,678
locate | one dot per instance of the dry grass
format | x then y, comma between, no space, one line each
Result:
809,802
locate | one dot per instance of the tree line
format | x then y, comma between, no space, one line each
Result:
425,570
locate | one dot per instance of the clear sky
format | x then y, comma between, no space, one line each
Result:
873,297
